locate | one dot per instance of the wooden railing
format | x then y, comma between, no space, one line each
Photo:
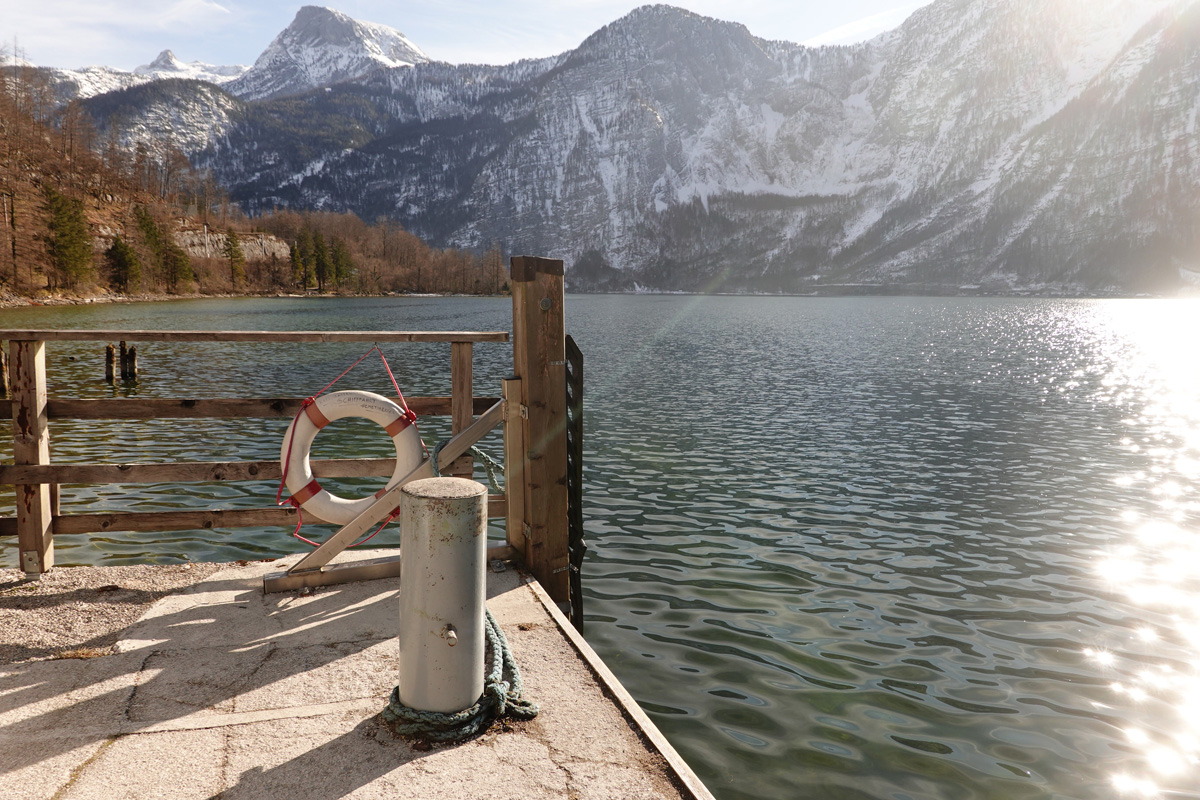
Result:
532,412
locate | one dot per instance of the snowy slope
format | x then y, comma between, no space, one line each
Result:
166,65
986,145
322,47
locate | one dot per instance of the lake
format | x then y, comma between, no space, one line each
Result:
839,547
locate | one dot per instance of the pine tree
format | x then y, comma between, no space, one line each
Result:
68,242
125,269
343,265
297,264
171,263
304,248
177,266
321,262
237,261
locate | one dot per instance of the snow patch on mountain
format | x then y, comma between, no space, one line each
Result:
166,65
322,47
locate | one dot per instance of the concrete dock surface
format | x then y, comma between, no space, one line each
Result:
222,691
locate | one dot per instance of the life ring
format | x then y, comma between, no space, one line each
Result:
293,455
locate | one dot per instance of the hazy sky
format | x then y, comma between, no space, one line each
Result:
126,33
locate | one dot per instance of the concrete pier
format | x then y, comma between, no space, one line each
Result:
222,691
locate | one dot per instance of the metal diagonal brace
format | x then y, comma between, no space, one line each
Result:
382,507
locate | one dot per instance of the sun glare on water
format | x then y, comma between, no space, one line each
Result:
1154,368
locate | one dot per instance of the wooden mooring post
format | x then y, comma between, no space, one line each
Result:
539,365
110,364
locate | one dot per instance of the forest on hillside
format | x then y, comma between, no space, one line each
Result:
82,214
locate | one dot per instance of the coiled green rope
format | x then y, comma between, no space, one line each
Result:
490,464
500,698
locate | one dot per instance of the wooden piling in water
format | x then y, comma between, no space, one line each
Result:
124,360
110,364
131,369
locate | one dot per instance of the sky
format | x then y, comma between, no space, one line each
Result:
128,33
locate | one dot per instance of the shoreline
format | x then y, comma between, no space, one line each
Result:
9,299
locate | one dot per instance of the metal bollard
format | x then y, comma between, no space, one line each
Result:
443,523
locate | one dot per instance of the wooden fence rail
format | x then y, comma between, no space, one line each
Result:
532,412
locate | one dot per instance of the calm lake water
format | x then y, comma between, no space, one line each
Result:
840,548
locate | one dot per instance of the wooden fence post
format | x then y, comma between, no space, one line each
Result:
539,361
3,371
514,467
462,399
31,446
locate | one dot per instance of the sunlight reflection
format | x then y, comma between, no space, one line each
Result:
1153,367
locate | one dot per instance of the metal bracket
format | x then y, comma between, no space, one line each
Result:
30,561
524,411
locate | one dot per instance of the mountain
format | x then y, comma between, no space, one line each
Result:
167,66
984,146
320,48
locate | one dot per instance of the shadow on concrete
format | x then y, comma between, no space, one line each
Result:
218,648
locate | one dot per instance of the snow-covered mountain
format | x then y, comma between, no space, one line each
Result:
986,145
85,82
166,65
320,48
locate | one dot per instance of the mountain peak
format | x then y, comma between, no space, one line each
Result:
165,60
167,65
321,47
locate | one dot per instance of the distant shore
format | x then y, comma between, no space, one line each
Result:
9,299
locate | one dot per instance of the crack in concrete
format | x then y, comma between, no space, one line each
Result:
78,771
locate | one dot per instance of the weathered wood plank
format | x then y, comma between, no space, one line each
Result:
539,360
154,521
514,467
254,336
346,535
31,446
190,471
188,408
462,389
367,570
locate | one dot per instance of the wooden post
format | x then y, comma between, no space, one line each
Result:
110,364
31,446
462,399
514,467
539,360
4,390
132,363
124,361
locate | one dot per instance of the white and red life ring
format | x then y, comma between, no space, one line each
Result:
297,442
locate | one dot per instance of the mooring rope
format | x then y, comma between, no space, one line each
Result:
490,464
500,698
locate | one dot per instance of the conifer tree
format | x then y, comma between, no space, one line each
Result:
297,264
321,262
171,262
343,264
304,247
237,260
68,242
177,266
125,269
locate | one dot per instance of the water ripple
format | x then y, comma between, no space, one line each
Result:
871,547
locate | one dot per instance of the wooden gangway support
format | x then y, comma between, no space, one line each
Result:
531,410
